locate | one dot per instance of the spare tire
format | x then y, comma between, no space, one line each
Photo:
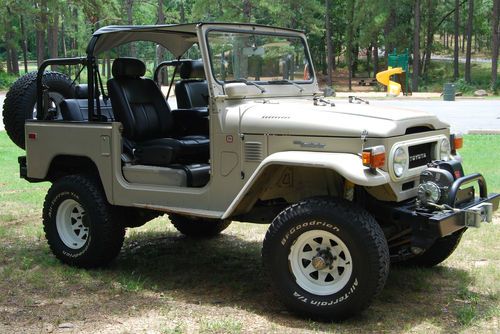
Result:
20,101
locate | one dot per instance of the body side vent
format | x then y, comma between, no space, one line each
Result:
253,151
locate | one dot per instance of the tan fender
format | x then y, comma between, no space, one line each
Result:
347,165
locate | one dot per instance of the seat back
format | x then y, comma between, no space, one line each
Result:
137,102
77,110
192,90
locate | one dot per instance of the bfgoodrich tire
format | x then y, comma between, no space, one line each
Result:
79,223
327,259
198,227
20,101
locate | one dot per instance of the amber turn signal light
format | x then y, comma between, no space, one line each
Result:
457,142
374,157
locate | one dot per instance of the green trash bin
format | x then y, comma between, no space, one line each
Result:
449,92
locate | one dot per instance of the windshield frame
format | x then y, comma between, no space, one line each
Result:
255,31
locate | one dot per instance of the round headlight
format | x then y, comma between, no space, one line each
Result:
444,150
399,161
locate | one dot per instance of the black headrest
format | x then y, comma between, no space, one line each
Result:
128,68
192,69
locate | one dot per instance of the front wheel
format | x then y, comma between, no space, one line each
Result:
437,253
79,224
326,258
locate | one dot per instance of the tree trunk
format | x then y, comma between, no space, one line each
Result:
52,38
329,43
160,51
247,10
430,36
63,41
368,59
130,20
14,58
456,45
24,44
375,58
416,47
182,12
494,44
468,52
388,28
355,57
464,37
40,32
350,33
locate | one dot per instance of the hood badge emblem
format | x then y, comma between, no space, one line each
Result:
308,144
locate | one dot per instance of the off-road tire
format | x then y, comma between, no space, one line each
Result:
437,253
21,99
359,233
198,227
105,235
135,217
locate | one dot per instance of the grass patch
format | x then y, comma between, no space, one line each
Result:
221,326
480,154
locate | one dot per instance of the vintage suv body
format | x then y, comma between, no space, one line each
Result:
349,187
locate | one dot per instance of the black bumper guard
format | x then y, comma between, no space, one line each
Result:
428,226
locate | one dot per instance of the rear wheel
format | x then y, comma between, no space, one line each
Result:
20,101
79,224
327,259
198,227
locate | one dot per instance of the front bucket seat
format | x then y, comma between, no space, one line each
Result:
148,124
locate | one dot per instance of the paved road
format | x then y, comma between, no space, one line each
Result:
462,115
461,59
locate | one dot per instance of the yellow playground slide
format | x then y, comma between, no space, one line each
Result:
384,77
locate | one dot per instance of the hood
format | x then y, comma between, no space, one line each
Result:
302,117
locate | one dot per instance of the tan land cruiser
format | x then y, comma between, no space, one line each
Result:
347,187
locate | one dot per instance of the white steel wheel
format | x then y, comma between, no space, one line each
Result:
71,224
320,262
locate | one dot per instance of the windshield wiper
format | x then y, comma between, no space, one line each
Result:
245,81
282,81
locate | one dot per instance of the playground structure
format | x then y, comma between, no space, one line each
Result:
397,67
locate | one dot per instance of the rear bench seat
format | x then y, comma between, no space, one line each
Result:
77,110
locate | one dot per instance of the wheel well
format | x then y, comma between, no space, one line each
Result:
278,185
63,165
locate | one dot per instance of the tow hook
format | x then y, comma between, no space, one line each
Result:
478,214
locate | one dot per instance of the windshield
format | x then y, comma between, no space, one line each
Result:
257,57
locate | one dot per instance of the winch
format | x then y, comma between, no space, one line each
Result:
436,181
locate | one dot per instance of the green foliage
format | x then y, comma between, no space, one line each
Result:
6,80
381,23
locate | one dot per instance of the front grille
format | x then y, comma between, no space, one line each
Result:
420,155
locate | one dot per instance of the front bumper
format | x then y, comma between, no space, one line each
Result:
461,210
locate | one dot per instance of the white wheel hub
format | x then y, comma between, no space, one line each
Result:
71,224
320,262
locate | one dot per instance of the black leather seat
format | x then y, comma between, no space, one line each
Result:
192,90
77,110
148,124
